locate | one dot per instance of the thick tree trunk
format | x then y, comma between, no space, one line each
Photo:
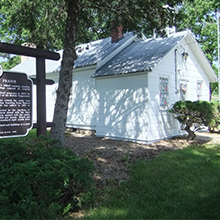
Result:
66,71
191,134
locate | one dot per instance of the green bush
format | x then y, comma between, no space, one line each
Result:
196,113
39,180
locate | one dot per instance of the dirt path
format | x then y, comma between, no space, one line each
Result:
112,157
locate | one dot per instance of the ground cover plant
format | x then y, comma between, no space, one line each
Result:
182,184
39,180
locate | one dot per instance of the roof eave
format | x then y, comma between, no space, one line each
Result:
202,59
122,74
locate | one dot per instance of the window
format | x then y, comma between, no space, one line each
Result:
199,90
164,97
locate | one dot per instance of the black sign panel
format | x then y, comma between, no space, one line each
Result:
15,104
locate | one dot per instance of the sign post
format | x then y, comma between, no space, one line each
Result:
15,104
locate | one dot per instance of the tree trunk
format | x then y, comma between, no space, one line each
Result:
66,71
191,134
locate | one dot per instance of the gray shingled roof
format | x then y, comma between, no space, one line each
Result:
140,56
88,54
98,50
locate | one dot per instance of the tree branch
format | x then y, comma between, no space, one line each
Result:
97,5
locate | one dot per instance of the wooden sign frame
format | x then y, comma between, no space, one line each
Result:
40,80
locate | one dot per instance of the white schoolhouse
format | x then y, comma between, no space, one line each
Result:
124,88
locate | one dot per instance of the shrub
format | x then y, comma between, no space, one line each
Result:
40,180
196,113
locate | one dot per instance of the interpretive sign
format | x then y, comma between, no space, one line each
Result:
15,104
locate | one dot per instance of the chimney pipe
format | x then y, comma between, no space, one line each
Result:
116,32
23,58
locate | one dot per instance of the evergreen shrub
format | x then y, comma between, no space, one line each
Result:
197,113
39,180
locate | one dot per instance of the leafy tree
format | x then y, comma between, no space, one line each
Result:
201,17
11,62
55,24
33,21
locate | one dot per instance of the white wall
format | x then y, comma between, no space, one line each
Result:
50,99
83,100
161,123
196,73
51,96
122,112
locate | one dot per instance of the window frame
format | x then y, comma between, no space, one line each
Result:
164,92
199,90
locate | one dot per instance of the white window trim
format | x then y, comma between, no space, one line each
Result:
201,91
168,93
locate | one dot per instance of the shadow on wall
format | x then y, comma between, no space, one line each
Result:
162,125
127,114
117,108
83,103
123,113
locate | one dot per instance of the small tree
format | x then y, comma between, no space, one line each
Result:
196,113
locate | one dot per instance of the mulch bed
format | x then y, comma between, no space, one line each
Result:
112,158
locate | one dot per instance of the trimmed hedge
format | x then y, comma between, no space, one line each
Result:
39,180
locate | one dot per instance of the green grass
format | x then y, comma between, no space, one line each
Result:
183,184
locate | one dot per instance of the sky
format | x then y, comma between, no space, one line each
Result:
2,59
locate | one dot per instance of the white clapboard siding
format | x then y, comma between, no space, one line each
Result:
122,111
161,123
50,99
51,96
83,102
196,73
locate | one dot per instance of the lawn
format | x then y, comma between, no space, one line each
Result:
182,184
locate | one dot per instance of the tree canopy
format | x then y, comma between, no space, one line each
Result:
11,62
201,17
43,21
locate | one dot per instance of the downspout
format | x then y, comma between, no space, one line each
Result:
176,71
